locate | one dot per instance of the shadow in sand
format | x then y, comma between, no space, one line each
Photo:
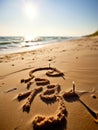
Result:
94,114
58,126
49,99
71,96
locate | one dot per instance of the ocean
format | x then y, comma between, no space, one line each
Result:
19,44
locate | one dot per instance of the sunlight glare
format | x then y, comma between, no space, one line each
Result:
30,37
30,9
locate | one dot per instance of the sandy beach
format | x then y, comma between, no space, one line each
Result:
46,74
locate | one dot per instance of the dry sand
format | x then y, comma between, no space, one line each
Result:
77,59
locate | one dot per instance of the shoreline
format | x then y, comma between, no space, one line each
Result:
28,48
31,45
76,59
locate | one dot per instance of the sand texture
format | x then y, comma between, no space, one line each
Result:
53,88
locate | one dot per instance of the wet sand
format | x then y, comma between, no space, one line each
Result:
77,60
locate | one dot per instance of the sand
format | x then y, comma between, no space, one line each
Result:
77,60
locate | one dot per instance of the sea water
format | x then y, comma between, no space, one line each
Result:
18,43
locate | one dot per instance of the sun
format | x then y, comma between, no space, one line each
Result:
30,9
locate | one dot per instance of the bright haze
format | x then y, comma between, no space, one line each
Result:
48,17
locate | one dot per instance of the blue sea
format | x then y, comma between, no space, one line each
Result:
19,44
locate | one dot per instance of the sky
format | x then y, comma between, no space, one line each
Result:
48,17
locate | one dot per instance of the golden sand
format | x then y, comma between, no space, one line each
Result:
76,103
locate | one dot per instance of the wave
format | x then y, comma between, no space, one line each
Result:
14,44
10,40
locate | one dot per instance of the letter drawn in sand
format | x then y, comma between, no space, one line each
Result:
30,94
41,81
49,95
52,122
